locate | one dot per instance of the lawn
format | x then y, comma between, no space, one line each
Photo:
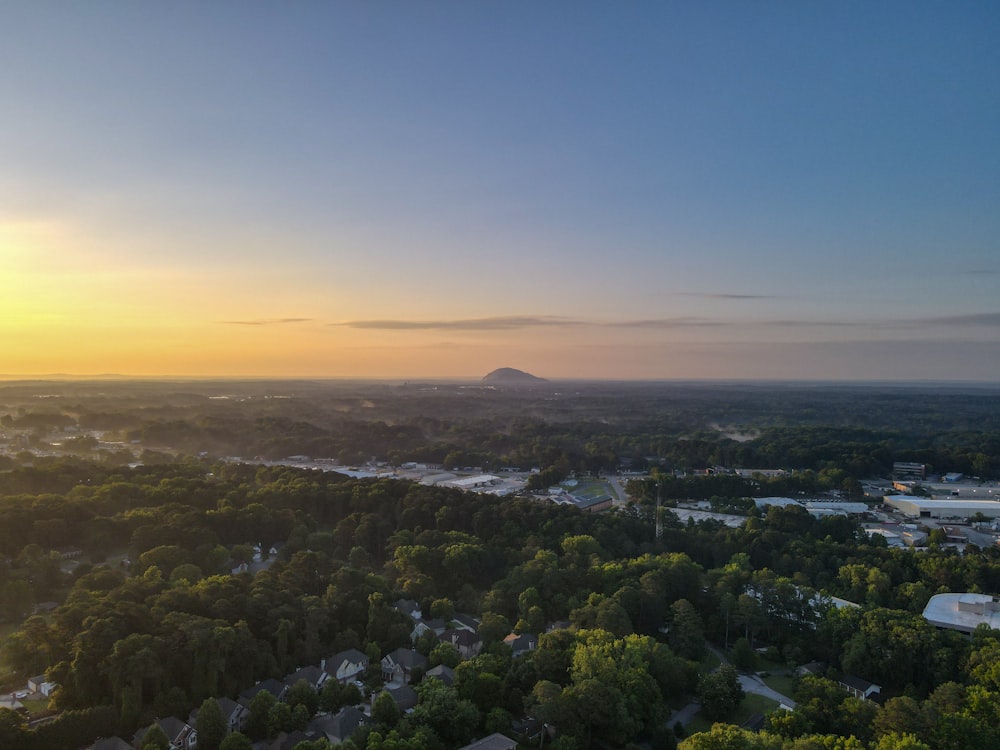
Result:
783,683
589,489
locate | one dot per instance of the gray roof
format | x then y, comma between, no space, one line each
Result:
404,695
495,741
407,657
443,673
338,726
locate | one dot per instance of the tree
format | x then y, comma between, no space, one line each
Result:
385,712
687,634
720,692
302,693
729,737
155,739
211,725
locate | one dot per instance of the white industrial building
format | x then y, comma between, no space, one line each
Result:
963,612
922,507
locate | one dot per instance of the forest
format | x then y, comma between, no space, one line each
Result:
157,618
172,627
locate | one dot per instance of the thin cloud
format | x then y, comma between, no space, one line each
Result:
664,323
988,320
266,321
720,295
468,324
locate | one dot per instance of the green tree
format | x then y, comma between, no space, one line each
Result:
155,739
687,634
385,712
211,725
720,692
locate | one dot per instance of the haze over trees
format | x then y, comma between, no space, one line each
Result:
155,623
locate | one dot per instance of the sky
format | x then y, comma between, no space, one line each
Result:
642,190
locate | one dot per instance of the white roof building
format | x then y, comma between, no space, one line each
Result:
963,612
922,507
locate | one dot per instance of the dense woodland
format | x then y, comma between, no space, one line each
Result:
571,426
175,627
169,626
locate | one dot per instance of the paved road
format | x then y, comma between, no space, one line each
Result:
685,716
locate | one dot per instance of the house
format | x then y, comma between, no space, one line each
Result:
398,665
234,714
858,687
180,734
521,644
340,726
468,643
288,740
421,626
462,621
346,666
443,673
410,608
495,741
313,675
111,743
404,696
271,685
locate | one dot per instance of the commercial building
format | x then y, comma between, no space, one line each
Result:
963,612
922,507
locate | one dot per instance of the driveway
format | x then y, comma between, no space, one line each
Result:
751,683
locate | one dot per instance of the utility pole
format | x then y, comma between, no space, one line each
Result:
659,523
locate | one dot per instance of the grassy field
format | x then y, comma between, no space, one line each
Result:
589,488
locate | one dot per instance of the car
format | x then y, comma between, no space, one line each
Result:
21,694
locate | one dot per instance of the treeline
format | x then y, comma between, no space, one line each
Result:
578,427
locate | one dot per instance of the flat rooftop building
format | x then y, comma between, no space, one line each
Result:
922,507
963,612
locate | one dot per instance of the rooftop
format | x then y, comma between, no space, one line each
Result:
963,612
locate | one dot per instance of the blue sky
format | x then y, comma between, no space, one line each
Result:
655,190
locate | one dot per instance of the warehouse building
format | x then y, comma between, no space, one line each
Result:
963,612
922,507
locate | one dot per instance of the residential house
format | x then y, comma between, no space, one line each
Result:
346,666
495,741
398,665
111,743
234,714
410,608
288,740
404,696
180,734
467,642
443,673
313,675
340,726
436,625
521,644
271,685
858,687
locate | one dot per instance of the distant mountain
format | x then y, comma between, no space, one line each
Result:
510,376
